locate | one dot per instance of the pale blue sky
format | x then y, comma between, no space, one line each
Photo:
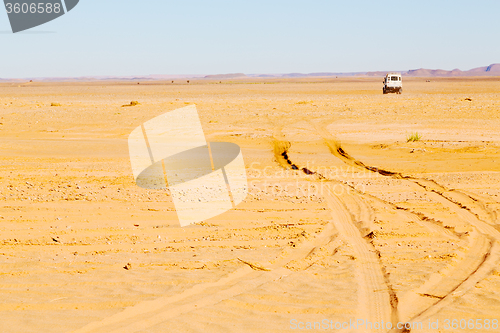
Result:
127,37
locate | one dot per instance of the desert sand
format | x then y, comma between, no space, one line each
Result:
345,220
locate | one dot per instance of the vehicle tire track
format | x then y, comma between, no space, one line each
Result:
481,202
383,301
480,260
149,313
373,312
377,300
483,253
488,263
464,201
450,196
473,205
370,303
477,257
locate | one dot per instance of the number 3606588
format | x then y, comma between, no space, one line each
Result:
33,8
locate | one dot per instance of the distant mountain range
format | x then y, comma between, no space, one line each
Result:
491,70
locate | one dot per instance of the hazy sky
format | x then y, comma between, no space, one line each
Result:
134,37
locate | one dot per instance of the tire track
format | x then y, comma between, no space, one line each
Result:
470,269
481,202
371,304
336,149
464,201
377,300
150,313
373,280
480,260
450,196
489,263
281,154
473,205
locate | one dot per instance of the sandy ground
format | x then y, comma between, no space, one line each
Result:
345,219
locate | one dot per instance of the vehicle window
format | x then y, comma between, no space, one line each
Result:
394,78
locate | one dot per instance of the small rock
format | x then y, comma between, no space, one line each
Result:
371,235
133,103
128,266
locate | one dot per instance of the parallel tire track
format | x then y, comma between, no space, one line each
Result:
458,275
150,313
454,280
377,300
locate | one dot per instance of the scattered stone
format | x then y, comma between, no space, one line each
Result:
128,266
133,103
371,235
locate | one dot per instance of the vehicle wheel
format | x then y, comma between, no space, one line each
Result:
384,91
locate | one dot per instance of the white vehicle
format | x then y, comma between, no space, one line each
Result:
393,83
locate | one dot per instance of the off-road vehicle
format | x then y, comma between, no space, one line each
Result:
393,83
